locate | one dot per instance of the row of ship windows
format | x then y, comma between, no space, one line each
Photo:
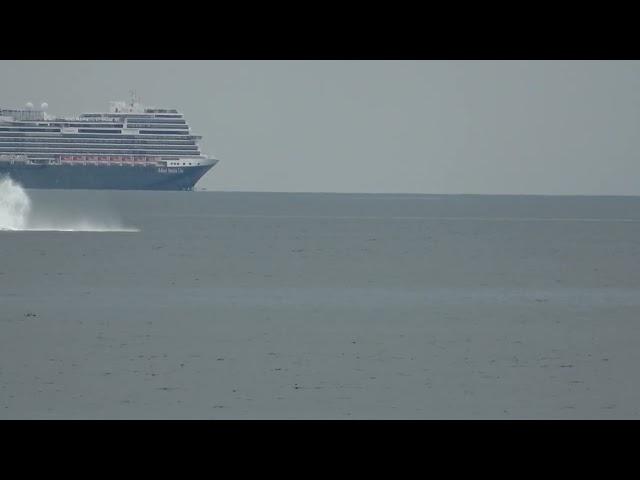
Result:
150,120
155,120
89,130
163,132
57,156
128,115
41,129
148,125
100,151
107,141
175,126
58,124
107,138
102,130
20,146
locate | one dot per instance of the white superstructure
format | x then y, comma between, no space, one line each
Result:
127,133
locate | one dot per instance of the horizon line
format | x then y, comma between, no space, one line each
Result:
206,190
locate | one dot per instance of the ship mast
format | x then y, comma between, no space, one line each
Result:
134,98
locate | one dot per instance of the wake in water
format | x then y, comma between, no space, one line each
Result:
15,215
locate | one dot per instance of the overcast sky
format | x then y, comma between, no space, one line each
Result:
526,127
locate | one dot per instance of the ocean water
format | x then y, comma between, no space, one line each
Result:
314,306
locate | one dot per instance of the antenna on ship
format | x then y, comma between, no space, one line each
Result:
134,97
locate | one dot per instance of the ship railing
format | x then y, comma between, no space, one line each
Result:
14,158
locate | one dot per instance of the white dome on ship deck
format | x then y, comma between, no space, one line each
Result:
29,105
44,105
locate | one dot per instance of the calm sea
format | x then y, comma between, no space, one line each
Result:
276,305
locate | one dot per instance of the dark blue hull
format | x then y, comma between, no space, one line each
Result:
107,177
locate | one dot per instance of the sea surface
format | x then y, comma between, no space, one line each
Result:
212,305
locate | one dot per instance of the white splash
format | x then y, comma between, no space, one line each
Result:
15,205
15,210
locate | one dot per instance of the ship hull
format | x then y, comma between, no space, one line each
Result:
104,177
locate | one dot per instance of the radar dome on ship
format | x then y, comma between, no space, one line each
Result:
29,105
44,105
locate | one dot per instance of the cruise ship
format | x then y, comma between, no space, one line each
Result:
130,147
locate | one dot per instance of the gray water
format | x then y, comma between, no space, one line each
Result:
258,305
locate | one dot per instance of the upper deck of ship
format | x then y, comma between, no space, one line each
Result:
118,111
126,129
